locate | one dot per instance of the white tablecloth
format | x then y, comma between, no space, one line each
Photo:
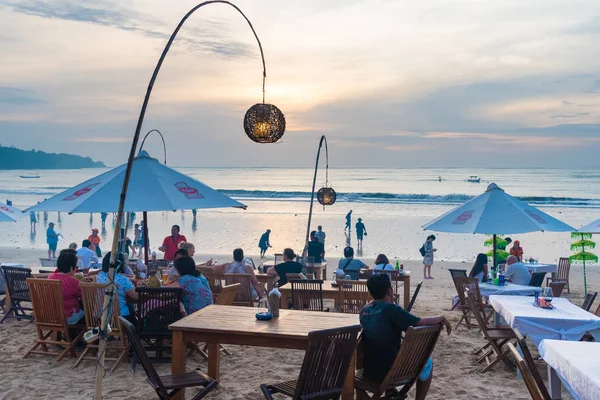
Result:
577,364
565,322
510,289
534,268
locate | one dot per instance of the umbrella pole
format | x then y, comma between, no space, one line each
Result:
494,253
312,199
146,240
584,280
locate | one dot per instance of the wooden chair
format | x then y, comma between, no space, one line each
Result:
354,295
530,363
276,257
157,308
465,283
325,366
562,275
415,351
18,291
244,295
290,275
414,297
557,288
215,281
457,273
93,300
49,315
496,337
166,386
589,300
537,278
307,294
3,291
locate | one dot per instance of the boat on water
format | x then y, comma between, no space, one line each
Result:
31,176
474,179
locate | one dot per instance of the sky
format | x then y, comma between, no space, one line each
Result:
457,83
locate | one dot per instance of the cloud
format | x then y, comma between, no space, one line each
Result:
17,96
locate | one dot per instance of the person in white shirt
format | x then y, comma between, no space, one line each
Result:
86,255
517,272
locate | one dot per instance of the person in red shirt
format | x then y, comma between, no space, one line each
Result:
66,268
171,243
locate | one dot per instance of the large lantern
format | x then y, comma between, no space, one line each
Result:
264,123
326,196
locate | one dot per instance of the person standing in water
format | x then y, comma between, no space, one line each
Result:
348,220
264,243
361,231
32,219
52,240
103,217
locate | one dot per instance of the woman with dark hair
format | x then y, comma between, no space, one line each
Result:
316,249
382,263
428,256
196,290
480,268
123,285
66,267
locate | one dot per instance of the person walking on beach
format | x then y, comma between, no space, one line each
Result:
32,220
320,235
103,217
427,251
264,243
360,232
95,240
348,220
171,243
52,240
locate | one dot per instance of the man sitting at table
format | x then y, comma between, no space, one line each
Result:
383,323
86,254
350,265
288,266
238,266
516,272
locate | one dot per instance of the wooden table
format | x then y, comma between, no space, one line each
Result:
320,269
238,325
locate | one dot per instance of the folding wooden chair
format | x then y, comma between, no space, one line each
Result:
354,295
166,386
530,363
462,284
324,368
417,346
244,295
414,297
49,315
307,294
18,291
93,300
215,281
457,273
277,258
557,288
562,275
589,300
496,337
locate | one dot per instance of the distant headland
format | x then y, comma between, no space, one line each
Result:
13,158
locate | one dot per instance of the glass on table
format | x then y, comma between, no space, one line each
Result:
165,276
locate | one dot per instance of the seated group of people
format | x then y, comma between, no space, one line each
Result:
516,272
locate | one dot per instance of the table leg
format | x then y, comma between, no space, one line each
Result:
348,389
317,272
406,284
554,384
214,360
285,301
179,359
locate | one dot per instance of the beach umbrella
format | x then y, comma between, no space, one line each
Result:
153,186
494,212
581,246
9,213
593,227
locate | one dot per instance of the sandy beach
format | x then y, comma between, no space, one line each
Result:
456,376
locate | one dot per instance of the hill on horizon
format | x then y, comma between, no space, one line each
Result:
13,158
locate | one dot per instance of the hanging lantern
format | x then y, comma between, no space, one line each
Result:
264,123
326,196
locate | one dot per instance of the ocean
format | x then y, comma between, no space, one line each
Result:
393,203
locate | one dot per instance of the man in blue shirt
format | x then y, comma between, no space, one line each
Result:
350,265
52,240
383,323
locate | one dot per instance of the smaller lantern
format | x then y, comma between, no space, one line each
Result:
264,123
326,196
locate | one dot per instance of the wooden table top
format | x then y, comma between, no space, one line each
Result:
291,324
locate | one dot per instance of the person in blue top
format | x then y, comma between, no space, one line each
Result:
348,221
32,220
264,243
52,240
383,323
196,290
360,231
123,285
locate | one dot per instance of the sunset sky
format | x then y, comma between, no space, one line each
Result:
508,83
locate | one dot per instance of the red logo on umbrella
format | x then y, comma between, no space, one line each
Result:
536,217
188,191
6,209
463,218
81,192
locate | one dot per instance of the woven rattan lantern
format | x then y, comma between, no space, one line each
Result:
326,196
264,123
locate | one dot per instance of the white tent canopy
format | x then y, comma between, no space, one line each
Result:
153,187
9,213
593,227
496,212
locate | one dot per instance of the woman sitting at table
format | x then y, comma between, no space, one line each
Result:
382,263
196,290
480,268
66,268
239,267
123,285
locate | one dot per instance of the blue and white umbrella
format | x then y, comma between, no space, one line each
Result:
593,227
9,213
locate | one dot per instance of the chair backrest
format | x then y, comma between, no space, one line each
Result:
354,295
589,300
564,266
244,295
47,303
92,295
531,384
537,278
417,346
532,367
307,294
16,282
458,273
475,306
228,294
278,258
290,275
2,282
463,284
215,281
157,308
414,297
326,362
136,343
557,288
